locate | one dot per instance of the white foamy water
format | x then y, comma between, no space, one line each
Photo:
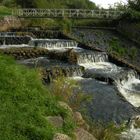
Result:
56,44
132,95
133,133
129,88
62,49
13,46
106,66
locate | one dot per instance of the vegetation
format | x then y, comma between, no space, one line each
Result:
116,47
69,91
132,10
4,11
106,132
25,104
49,3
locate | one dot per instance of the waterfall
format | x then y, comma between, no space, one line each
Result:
92,57
53,43
54,68
97,65
133,133
129,86
7,34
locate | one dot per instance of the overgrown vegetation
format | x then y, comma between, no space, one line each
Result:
132,10
49,3
106,131
4,11
69,91
116,47
25,104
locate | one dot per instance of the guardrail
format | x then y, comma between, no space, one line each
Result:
68,13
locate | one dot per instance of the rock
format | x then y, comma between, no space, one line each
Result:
59,136
137,121
9,22
86,126
57,121
78,118
82,134
80,121
65,106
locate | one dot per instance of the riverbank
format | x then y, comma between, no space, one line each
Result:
43,116
118,48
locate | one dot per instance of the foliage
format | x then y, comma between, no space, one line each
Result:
8,3
25,104
68,90
50,3
116,47
134,5
66,25
131,10
118,6
106,132
4,11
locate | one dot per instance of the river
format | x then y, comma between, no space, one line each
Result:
115,89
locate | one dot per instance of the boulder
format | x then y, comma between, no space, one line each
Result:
78,118
59,136
57,121
80,121
82,134
65,106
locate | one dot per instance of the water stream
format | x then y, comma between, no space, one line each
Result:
104,80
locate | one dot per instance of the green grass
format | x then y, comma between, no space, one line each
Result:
25,103
4,11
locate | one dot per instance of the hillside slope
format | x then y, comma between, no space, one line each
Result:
25,104
48,3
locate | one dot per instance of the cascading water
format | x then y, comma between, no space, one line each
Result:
133,133
55,66
12,40
53,43
129,87
91,57
95,63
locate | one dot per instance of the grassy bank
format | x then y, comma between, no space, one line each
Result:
4,11
25,104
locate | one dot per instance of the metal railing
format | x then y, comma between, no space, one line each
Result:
68,13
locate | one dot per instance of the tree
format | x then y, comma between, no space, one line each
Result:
134,5
26,3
